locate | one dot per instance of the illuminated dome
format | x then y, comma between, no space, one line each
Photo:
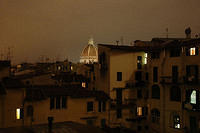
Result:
89,54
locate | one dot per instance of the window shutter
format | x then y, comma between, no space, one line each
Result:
187,51
143,111
99,106
22,113
196,50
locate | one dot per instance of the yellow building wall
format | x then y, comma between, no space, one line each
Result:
164,104
126,63
75,111
12,100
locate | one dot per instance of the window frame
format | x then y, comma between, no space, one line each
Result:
119,76
90,106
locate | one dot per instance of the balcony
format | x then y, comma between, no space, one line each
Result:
171,80
126,104
136,118
191,107
191,80
135,84
180,80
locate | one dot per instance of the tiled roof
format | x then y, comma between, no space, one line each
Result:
154,44
36,93
4,64
124,47
12,83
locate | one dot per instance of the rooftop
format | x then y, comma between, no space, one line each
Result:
37,93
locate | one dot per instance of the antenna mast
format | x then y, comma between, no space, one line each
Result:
167,32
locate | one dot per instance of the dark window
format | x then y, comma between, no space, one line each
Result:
139,93
175,52
30,110
64,102
103,123
192,73
119,96
155,92
89,106
147,76
138,76
99,106
155,55
145,111
174,74
119,113
155,116
139,62
146,127
175,94
102,61
58,102
52,102
139,128
155,74
104,106
187,95
119,76
90,122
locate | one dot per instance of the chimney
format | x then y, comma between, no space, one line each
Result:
188,32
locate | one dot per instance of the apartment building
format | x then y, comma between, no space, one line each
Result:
153,85
122,75
174,85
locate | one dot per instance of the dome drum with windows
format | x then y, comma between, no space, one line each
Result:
89,54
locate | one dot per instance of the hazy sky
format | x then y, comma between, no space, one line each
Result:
61,28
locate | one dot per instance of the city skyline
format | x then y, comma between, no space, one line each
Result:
61,28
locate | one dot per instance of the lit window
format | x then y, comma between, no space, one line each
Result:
59,67
192,51
139,111
19,113
177,122
145,58
83,84
193,97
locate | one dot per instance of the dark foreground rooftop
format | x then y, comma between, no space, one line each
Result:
64,127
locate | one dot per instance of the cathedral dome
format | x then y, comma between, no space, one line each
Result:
89,53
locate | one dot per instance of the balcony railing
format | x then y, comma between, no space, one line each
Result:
191,107
127,103
135,84
179,80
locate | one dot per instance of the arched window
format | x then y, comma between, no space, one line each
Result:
155,116
155,92
175,93
193,97
175,121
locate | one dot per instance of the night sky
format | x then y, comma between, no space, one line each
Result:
61,28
